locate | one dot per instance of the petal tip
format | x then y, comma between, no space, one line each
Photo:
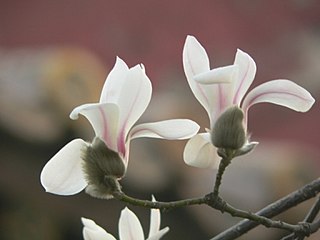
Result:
120,62
84,220
190,39
240,51
74,115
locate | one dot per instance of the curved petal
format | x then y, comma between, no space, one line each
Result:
169,129
133,100
63,173
104,118
195,58
281,92
114,82
196,61
159,234
92,231
129,226
245,76
199,152
155,220
217,75
214,98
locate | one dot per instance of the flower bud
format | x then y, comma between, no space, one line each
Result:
102,167
228,131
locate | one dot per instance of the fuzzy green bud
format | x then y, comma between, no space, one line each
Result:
102,167
228,131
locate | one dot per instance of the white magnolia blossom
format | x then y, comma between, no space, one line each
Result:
221,88
125,96
129,228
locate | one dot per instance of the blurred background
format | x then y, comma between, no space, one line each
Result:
55,55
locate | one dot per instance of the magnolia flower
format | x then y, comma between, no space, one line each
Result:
125,96
129,227
220,89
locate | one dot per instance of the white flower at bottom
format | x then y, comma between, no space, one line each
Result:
92,231
129,227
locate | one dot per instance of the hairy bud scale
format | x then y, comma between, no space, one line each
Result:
102,167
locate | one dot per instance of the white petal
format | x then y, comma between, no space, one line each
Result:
281,92
63,173
195,57
199,152
104,118
134,98
114,82
169,129
196,61
92,231
217,75
129,226
245,76
159,234
214,98
155,220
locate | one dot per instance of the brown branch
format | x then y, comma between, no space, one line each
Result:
313,212
218,203
306,192
159,205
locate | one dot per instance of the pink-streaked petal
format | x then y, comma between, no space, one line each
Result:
281,92
126,152
129,226
245,75
155,220
195,57
159,234
114,82
169,129
134,98
92,231
222,78
104,118
196,61
63,173
217,75
214,98
199,152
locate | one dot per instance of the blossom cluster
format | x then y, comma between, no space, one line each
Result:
97,166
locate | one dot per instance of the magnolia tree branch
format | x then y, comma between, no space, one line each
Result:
313,211
308,219
306,192
164,206
225,207
262,217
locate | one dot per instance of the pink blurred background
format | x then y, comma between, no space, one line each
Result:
55,55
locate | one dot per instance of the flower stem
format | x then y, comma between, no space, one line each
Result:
224,163
159,205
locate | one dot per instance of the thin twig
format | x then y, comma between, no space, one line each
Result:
313,227
219,204
159,205
311,215
306,192
313,211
